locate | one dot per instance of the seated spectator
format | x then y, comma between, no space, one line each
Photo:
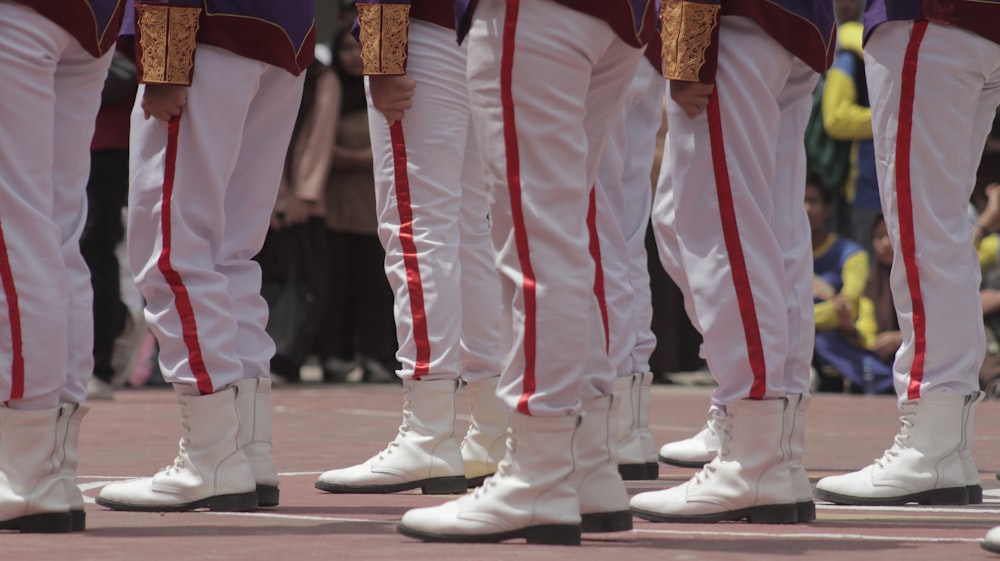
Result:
840,269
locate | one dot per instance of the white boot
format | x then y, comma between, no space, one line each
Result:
32,492
795,436
603,499
531,496
992,540
69,419
923,465
485,442
972,482
210,469
424,453
698,450
633,462
749,479
253,410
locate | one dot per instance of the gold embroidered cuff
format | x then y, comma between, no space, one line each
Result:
166,40
689,48
383,37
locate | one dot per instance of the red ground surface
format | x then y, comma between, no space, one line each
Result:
320,427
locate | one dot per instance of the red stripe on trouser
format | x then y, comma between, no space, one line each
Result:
737,262
414,284
14,312
189,327
595,252
904,202
528,381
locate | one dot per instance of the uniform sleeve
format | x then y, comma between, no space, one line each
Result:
690,34
867,324
383,30
165,40
855,275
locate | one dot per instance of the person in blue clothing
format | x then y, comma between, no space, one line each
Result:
840,278
221,84
54,57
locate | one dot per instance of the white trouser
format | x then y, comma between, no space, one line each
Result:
624,197
191,240
51,91
731,227
929,131
434,220
544,102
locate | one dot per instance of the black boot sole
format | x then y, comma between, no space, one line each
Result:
598,522
765,514
267,496
549,534
241,502
639,472
46,523
947,496
455,485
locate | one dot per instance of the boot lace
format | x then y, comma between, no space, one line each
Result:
180,462
901,441
404,429
723,427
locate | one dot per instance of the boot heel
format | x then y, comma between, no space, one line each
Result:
975,494
79,518
553,535
477,481
242,502
949,496
773,514
639,472
606,522
267,495
445,485
48,523
805,511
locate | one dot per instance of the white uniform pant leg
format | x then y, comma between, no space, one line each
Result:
248,203
51,91
542,104
791,225
721,174
623,198
930,128
481,339
418,193
186,283
642,125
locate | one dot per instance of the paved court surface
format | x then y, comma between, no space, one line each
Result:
318,427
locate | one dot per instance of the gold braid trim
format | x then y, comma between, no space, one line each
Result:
167,41
383,37
687,35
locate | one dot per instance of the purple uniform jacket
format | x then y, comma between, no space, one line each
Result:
94,23
278,32
978,16
806,28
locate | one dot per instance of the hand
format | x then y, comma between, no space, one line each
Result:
887,343
844,310
298,211
392,95
164,101
691,96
